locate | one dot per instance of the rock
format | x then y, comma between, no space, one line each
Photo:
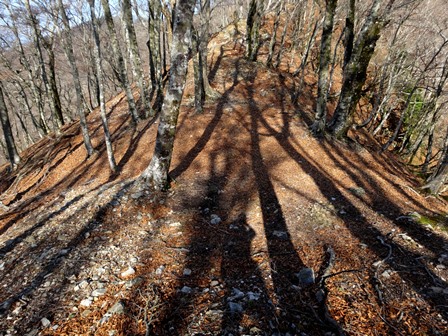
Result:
215,219
280,234
160,270
358,191
98,292
86,313
236,295
137,195
176,224
187,272
45,322
33,332
306,277
130,271
235,308
253,296
133,260
134,282
436,290
386,274
86,302
214,283
186,290
118,308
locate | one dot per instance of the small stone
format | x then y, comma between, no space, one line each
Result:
134,282
441,267
306,277
386,274
130,271
86,302
253,296
98,292
83,284
237,295
186,290
118,308
214,283
160,270
215,219
137,195
280,234
133,260
436,290
187,272
235,308
358,191
33,332
45,322
86,313
176,224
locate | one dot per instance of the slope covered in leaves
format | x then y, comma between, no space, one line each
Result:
256,204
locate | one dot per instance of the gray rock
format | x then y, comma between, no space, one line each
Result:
130,271
358,191
215,219
280,234
306,277
134,282
160,270
45,322
86,302
98,292
186,290
187,272
235,308
236,295
214,283
251,296
33,332
118,308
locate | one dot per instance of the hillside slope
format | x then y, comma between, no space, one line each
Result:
256,204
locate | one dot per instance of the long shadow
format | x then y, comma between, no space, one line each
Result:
361,228
385,206
55,261
284,259
206,135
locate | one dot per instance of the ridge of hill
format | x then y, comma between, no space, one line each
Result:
265,231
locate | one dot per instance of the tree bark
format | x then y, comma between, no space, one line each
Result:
120,65
274,34
134,54
13,155
253,29
99,71
156,174
320,117
439,178
80,102
355,74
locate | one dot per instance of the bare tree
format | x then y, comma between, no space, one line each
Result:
156,174
13,155
99,70
318,126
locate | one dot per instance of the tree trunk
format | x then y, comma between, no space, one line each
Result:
199,93
438,179
43,72
13,156
134,54
80,102
355,74
318,126
274,34
253,29
120,65
156,174
99,71
349,32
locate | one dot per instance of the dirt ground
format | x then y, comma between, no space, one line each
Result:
265,230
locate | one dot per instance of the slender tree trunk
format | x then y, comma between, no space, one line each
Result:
274,34
43,72
438,179
156,175
80,102
120,65
99,70
199,94
253,29
355,74
13,155
349,32
134,54
320,117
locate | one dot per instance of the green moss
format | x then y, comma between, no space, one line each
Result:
438,221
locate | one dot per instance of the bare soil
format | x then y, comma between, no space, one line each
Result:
255,200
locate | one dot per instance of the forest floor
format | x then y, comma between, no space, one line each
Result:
265,230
